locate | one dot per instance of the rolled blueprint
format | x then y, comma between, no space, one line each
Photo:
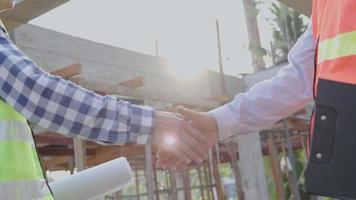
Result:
95,182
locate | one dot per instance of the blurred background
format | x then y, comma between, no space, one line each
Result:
164,53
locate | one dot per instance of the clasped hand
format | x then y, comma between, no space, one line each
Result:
183,137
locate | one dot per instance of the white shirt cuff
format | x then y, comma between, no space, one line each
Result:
226,121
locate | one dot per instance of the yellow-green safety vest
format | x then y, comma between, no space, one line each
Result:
21,175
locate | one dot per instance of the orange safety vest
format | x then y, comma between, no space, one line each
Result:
331,169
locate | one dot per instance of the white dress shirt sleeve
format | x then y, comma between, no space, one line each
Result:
273,99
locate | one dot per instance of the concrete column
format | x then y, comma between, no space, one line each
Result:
251,165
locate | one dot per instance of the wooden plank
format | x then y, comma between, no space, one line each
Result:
107,153
217,177
48,163
292,174
201,184
156,183
232,149
117,195
209,179
174,191
70,71
79,154
276,169
137,186
221,98
28,10
186,185
133,83
60,151
71,165
54,139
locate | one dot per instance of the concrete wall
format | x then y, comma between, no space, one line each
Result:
52,50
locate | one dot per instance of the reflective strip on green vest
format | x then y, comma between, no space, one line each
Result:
8,113
340,46
14,130
20,161
21,176
25,190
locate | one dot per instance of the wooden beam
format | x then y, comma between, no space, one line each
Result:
53,139
217,177
174,191
107,153
186,184
79,154
276,169
137,186
292,174
117,195
133,83
60,151
143,94
232,149
156,183
48,163
201,184
28,10
68,72
221,98
208,180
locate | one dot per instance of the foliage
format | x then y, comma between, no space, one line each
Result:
300,164
287,25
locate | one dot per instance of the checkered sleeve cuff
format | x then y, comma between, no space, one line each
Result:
142,124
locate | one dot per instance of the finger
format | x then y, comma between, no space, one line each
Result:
196,117
180,153
159,153
159,163
179,166
198,143
187,150
196,134
171,163
168,161
170,119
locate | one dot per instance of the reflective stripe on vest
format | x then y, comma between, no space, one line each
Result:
21,178
335,29
337,47
24,190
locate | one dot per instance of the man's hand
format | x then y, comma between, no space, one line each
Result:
171,137
204,122
197,123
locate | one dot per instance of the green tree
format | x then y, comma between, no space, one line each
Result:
287,25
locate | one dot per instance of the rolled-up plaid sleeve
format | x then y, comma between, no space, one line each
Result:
64,107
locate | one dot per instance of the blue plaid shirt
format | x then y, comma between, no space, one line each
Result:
61,106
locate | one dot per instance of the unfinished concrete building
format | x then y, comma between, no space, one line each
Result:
138,78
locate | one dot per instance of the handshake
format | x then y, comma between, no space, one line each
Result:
183,137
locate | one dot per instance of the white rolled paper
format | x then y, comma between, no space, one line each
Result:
94,182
